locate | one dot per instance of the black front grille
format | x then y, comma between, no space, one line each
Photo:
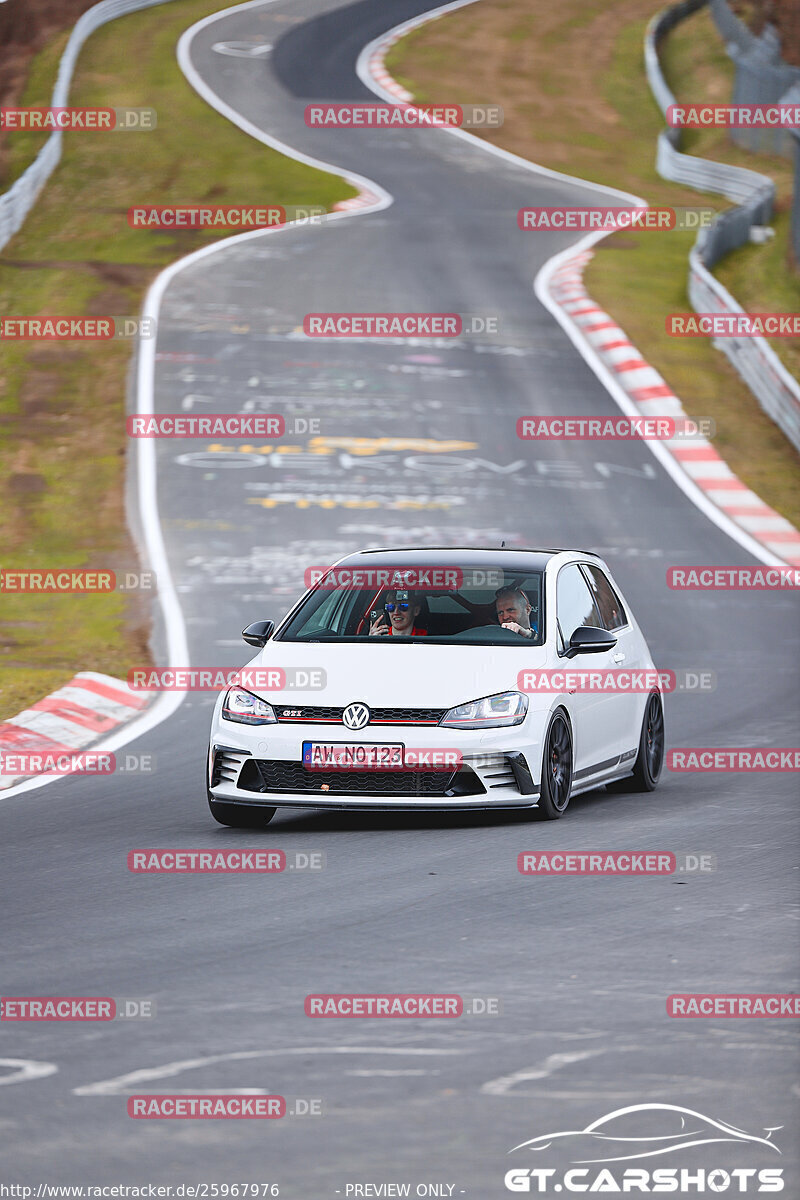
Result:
273,775
379,716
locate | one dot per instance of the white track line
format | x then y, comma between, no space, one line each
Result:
117,1085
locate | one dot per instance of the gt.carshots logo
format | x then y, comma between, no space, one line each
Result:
647,1131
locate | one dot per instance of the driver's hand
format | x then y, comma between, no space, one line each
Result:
516,628
379,627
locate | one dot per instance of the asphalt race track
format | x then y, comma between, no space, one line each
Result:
582,967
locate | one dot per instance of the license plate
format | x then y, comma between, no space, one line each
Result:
352,756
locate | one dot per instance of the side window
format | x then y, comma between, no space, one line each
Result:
328,611
574,603
612,613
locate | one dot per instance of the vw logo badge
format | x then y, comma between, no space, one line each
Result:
356,716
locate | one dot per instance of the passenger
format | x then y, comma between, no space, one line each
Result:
403,608
514,610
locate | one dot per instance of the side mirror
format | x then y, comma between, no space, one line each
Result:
259,633
590,640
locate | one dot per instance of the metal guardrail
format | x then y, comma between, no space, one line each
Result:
762,77
17,202
793,97
731,27
756,362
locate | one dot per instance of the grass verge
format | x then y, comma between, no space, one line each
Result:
572,83
62,405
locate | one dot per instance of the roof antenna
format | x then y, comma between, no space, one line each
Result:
502,545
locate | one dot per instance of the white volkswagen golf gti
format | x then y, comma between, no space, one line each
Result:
441,679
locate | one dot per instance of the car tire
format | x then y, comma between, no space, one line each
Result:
556,782
650,759
240,816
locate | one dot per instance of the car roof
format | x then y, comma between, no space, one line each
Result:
513,558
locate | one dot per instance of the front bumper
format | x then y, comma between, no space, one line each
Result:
262,766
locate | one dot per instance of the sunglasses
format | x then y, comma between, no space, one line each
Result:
402,606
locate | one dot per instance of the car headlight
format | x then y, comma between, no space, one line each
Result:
247,709
492,712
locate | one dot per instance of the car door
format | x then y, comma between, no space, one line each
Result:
598,714
627,655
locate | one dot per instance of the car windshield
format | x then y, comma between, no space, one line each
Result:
389,604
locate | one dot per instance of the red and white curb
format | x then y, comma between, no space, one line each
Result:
654,398
69,719
609,344
364,199
376,66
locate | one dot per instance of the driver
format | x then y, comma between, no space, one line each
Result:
402,607
514,610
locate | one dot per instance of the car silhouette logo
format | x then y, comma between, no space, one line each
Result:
356,716
621,1136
